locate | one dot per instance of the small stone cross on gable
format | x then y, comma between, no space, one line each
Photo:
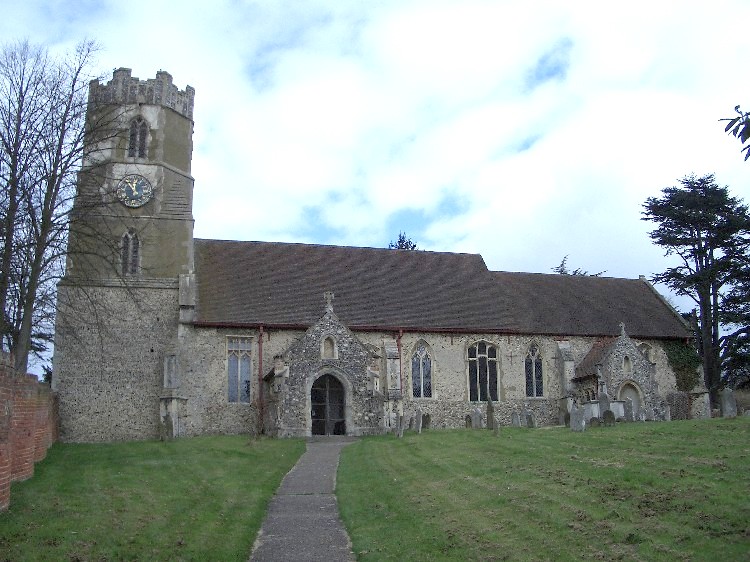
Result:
328,296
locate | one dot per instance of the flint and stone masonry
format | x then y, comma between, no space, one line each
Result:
161,335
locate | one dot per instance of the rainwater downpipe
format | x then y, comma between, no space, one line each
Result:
400,370
261,412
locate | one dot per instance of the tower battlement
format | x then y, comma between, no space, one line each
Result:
125,89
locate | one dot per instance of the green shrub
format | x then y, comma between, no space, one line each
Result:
684,360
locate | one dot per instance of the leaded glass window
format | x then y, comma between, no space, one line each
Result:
239,368
137,138
421,373
482,371
534,375
130,250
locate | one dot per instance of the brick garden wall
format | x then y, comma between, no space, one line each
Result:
28,426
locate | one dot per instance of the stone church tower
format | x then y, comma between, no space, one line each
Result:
131,238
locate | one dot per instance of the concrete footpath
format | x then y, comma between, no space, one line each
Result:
303,521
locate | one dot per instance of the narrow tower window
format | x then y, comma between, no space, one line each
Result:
137,139
130,251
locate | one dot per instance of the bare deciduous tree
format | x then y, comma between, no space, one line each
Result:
43,126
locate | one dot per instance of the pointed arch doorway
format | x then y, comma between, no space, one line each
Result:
328,406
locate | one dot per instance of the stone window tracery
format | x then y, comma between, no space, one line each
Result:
239,368
130,253
421,372
534,373
137,138
483,371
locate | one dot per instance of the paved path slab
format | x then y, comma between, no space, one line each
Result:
303,521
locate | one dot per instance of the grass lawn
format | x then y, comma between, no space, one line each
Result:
190,499
639,491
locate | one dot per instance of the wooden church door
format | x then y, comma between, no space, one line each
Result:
327,400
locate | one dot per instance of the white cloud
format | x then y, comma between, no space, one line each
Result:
325,121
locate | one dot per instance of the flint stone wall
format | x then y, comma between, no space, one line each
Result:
110,344
364,407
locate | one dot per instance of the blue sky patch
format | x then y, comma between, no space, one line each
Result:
552,65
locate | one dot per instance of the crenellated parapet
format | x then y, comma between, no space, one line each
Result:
126,89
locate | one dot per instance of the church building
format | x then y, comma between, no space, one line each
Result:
160,334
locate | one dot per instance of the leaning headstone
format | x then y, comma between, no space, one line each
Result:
577,419
629,410
609,418
530,419
476,419
515,419
418,421
728,403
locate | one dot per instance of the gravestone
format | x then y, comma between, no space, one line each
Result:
577,419
728,403
426,421
609,418
629,416
467,420
515,420
594,422
418,421
411,423
567,419
530,419
400,426
603,403
476,419
491,422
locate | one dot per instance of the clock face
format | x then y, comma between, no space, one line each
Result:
134,191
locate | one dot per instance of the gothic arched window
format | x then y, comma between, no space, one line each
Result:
482,371
137,139
534,375
130,253
239,368
421,372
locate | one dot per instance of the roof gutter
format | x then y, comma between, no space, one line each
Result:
428,330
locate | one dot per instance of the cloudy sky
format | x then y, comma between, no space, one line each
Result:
521,130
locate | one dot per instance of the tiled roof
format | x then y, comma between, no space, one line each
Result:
587,367
278,284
